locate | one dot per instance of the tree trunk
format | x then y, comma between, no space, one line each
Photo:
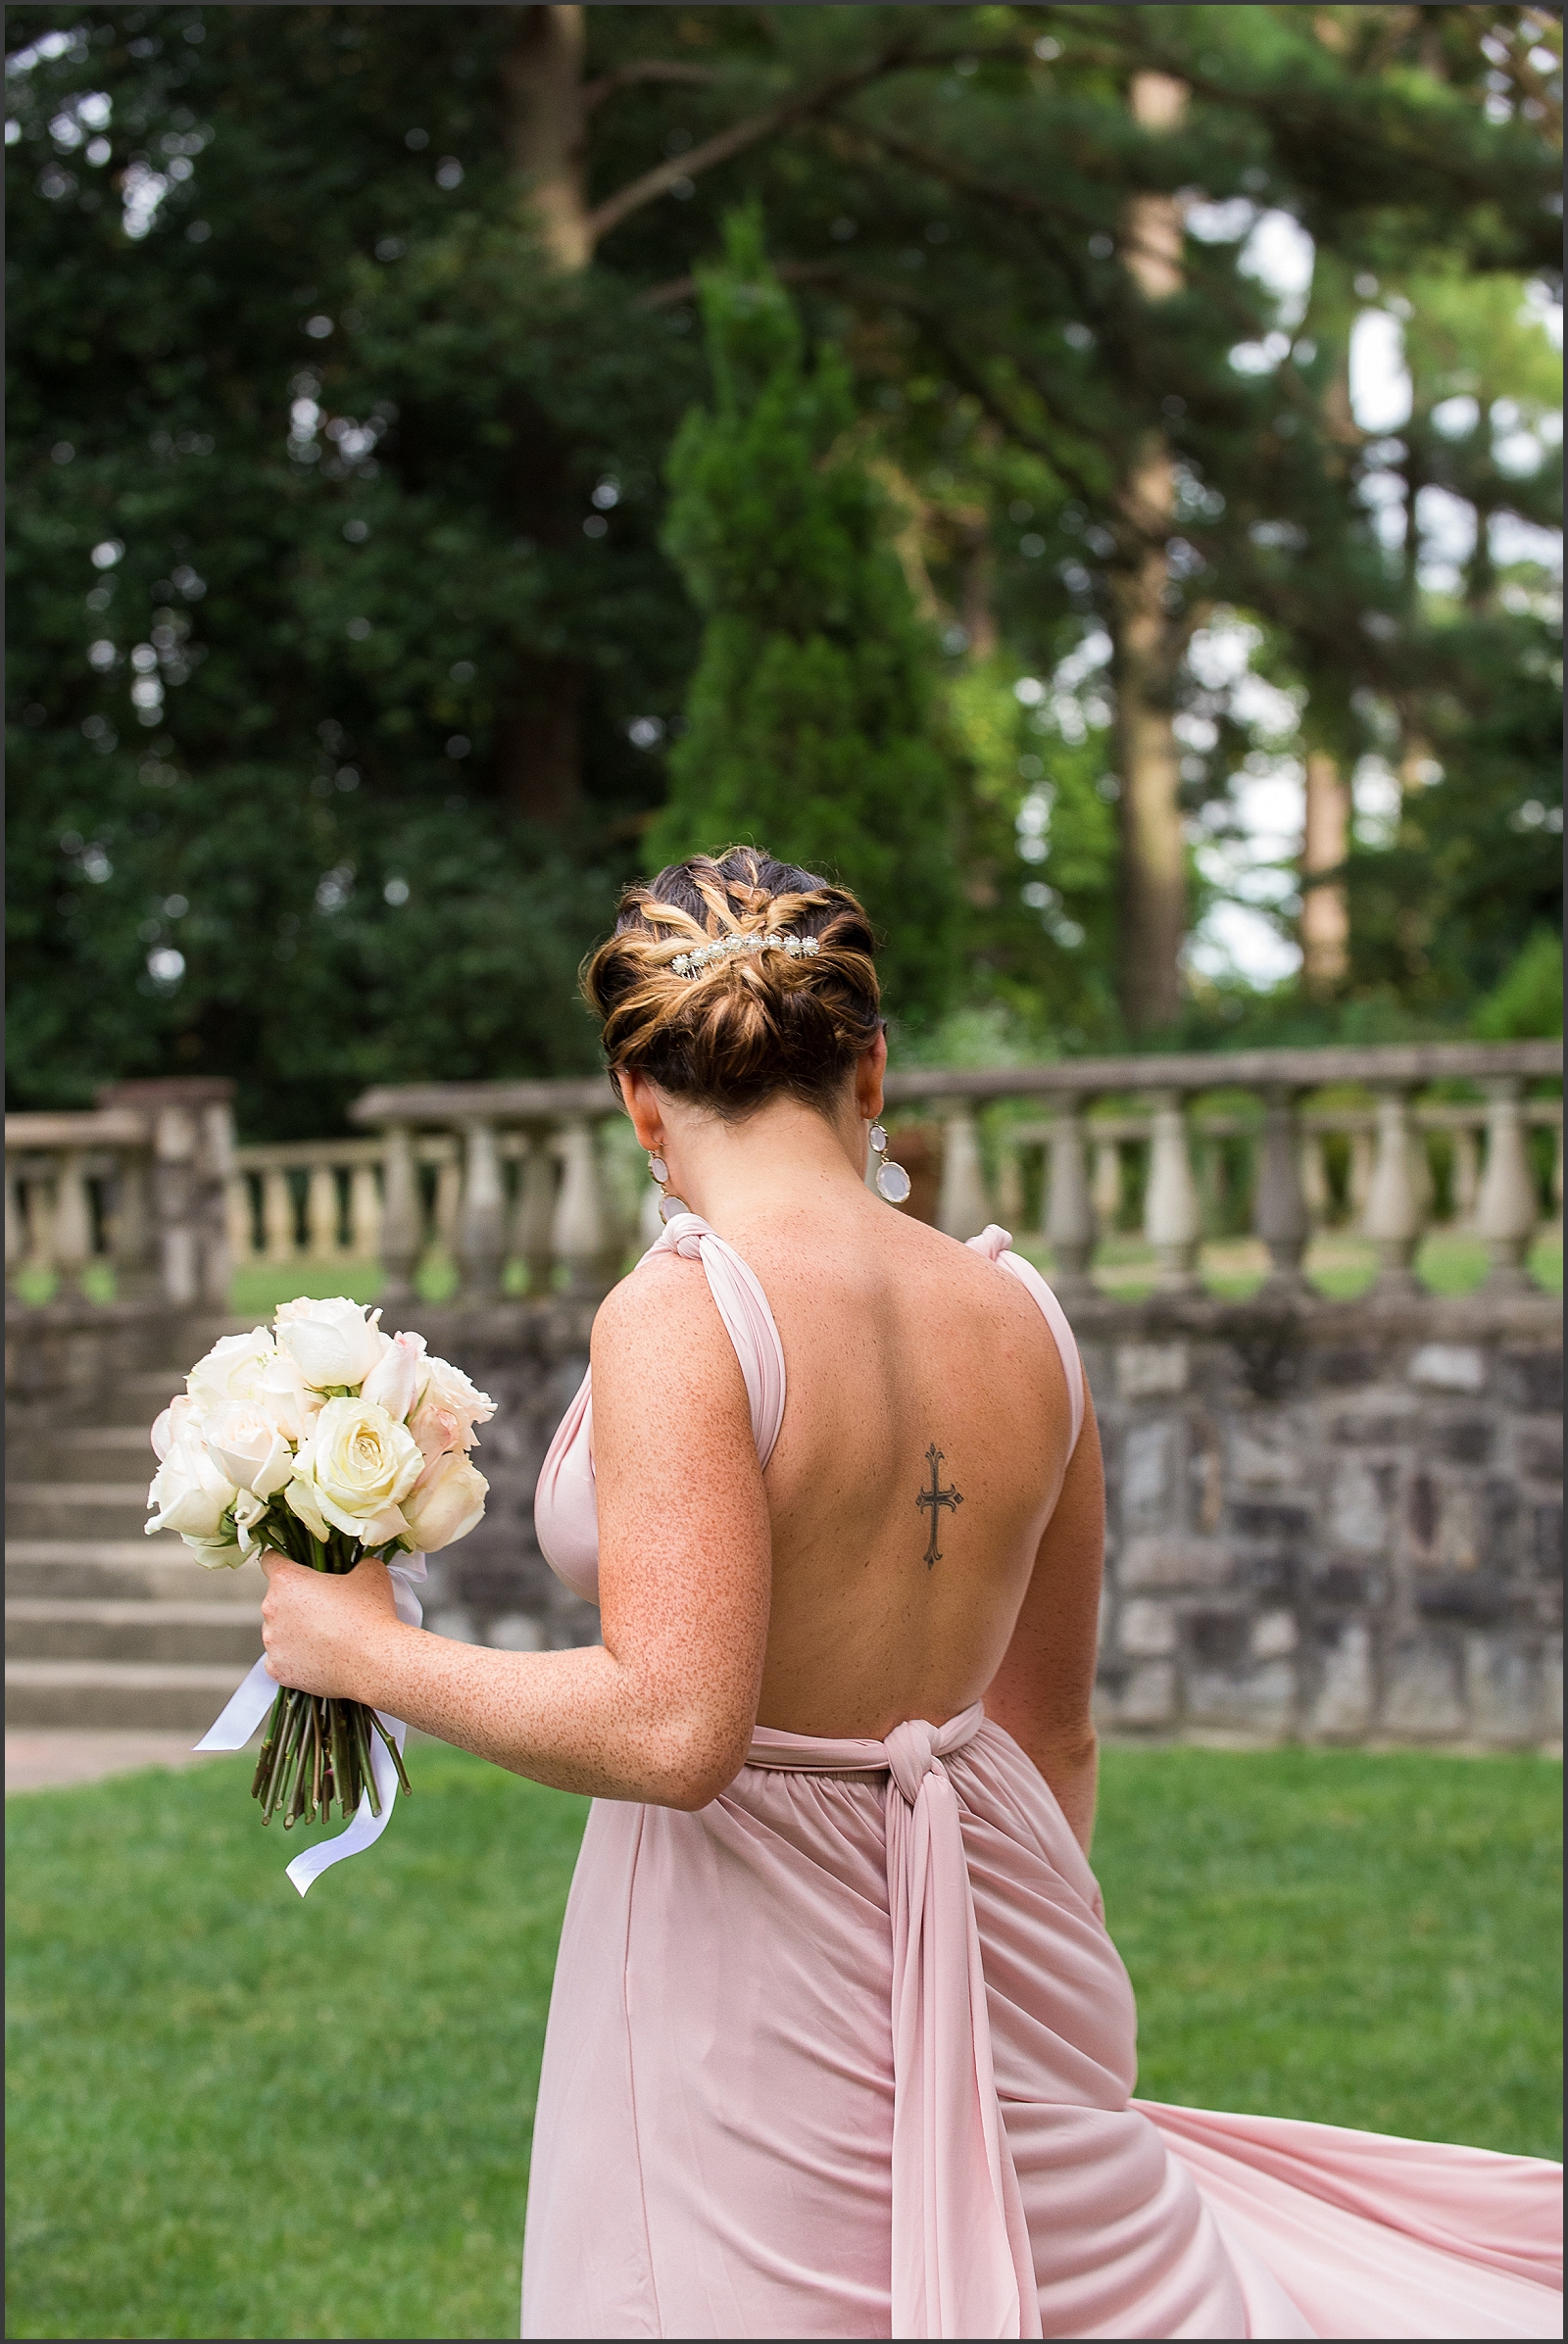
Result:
1325,914
1148,644
537,769
541,79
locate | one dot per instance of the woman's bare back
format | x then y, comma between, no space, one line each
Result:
922,1451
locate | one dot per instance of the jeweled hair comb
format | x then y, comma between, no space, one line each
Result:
728,948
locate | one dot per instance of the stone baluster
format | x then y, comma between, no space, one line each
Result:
15,1225
963,1209
1280,1212
1364,1153
73,1232
1392,1215
175,1143
131,1227
534,1220
1070,1220
578,1237
237,1214
448,1213
402,1213
277,1214
1173,1220
1009,1187
1466,1184
1508,1206
320,1213
364,1213
1556,1173
40,1188
1107,1184
214,1165
1313,1175
481,1230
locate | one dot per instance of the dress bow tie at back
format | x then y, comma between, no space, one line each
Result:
963,2264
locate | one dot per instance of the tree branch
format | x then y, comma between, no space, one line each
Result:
800,106
646,69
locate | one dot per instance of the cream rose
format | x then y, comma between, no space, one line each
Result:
287,1399
331,1342
446,1505
232,1370
191,1494
247,1445
353,1472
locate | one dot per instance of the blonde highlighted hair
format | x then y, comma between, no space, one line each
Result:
757,1017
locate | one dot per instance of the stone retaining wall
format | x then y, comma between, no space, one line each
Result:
1338,1521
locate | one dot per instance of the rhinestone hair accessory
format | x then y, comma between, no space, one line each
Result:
731,947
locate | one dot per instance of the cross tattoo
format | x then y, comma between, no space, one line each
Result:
933,1501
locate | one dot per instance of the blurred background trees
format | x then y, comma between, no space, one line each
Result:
1120,442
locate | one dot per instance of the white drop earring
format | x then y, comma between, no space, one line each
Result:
659,1172
892,1180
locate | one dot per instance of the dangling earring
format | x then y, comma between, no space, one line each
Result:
892,1180
669,1206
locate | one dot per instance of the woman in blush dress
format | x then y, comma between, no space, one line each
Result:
839,2045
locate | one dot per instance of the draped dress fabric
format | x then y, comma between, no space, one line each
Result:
850,2053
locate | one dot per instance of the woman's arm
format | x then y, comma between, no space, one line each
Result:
662,1711
1041,1694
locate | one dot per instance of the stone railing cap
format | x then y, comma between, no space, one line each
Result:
1400,1062
495,1103
108,1128
168,1091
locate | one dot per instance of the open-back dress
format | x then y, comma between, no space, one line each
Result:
850,2053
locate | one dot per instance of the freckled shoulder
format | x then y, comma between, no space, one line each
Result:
662,1311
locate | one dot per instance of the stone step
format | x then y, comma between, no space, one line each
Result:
61,1509
104,1453
123,1570
144,1696
70,1629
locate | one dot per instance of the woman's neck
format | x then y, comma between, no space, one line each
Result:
785,1158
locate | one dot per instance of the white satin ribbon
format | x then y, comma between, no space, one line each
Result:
247,1708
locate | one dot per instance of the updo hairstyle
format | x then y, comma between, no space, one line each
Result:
748,1022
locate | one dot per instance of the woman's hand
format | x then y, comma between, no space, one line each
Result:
324,1632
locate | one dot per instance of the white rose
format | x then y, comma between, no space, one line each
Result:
449,1408
287,1399
247,1446
331,1342
217,1554
231,1370
398,1376
190,1491
181,1411
446,1505
356,1467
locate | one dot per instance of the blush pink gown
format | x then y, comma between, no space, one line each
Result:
850,2053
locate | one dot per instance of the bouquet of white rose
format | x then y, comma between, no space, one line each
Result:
325,1440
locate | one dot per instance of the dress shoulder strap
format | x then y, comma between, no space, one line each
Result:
747,1321
995,1243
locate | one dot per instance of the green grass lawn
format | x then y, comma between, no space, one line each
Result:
236,2115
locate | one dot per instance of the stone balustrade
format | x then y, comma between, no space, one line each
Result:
1326,1135
126,1199
531,1187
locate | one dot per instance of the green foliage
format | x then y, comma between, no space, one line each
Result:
235,2115
369,623
399,644
811,711
1529,1000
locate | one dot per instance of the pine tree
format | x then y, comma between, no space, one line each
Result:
810,713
